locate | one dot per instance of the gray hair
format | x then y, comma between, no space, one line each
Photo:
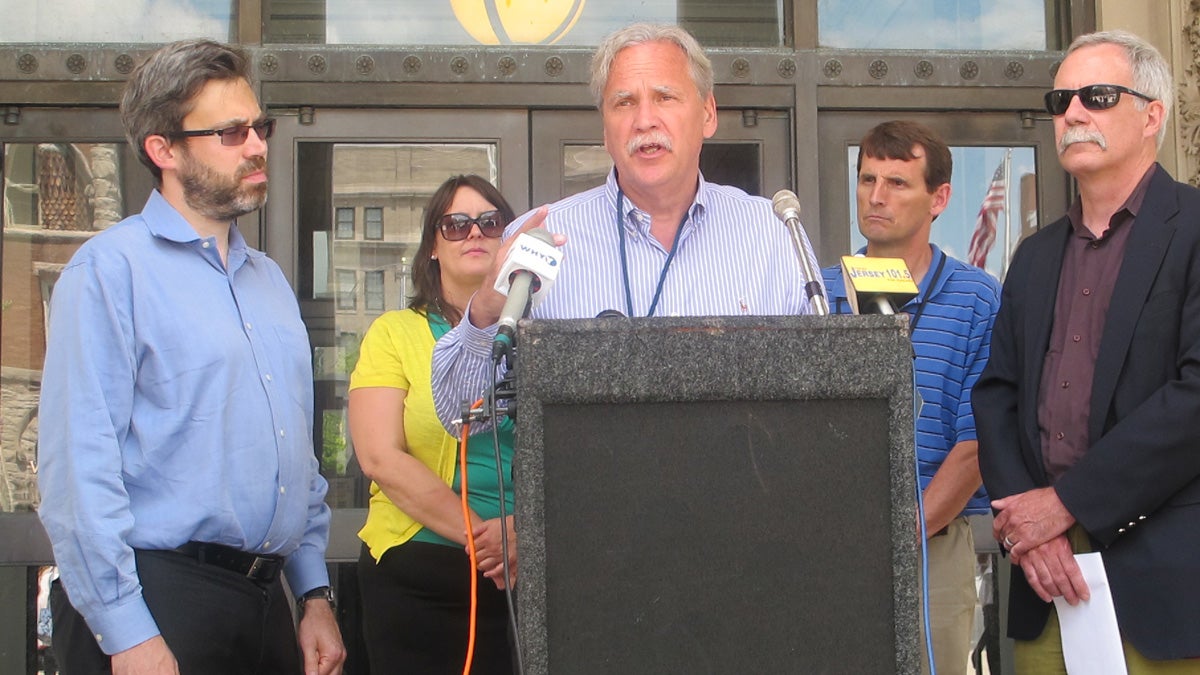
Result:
642,33
161,91
1151,72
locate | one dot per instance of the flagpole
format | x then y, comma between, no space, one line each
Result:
1007,210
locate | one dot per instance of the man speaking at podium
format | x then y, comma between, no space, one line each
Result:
656,239
903,184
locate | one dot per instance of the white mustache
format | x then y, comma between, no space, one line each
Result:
649,138
1075,135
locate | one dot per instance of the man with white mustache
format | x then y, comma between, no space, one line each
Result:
1088,413
656,239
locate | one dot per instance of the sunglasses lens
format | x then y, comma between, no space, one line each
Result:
491,224
1099,97
265,129
1058,101
455,227
234,135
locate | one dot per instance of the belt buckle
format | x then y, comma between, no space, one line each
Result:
255,567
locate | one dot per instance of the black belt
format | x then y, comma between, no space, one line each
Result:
256,567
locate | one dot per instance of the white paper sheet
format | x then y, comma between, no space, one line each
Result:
1091,640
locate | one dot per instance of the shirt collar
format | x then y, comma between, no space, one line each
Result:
1127,213
165,222
695,211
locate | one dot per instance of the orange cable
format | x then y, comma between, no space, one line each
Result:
466,509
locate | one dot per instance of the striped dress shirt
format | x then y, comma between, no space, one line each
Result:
733,257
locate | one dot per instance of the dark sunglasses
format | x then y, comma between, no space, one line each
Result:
1093,97
235,135
457,226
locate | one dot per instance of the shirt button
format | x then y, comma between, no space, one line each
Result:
1059,435
1065,384
205,245
282,490
248,326
266,544
1075,338
1095,244
282,434
268,375
1087,291
99,637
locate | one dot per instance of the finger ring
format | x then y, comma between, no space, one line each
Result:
1008,543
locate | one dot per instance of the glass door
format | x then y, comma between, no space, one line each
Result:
1006,182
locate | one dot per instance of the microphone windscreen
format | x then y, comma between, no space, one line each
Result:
868,278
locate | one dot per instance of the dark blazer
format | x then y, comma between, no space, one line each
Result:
1137,489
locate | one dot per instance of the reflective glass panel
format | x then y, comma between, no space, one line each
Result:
117,20
345,283
527,22
993,205
56,196
940,24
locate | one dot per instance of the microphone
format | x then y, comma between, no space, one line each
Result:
787,208
610,314
877,285
528,272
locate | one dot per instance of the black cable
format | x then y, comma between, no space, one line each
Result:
508,593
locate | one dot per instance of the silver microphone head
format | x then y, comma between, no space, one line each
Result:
786,205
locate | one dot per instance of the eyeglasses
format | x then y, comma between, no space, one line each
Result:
235,135
457,226
1093,97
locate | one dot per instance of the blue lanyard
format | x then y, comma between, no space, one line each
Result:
625,265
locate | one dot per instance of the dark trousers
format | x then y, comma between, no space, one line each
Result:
416,608
215,621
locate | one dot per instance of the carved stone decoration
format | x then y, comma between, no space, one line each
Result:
317,64
459,65
1188,83
554,66
506,66
1014,70
269,64
76,63
878,69
740,68
411,65
923,70
786,68
969,70
27,63
364,65
123,64
832,68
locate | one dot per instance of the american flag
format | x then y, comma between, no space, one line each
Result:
994,203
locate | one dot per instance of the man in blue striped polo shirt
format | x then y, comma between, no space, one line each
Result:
903,184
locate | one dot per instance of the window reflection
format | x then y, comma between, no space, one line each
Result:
528,22
1005,177
56,196
151,21
939,24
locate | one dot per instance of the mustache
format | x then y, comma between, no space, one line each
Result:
253,165
1075,135
648,138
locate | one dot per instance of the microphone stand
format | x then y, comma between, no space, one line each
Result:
816,298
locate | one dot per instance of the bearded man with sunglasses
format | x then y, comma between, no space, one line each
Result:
177,471
1088,413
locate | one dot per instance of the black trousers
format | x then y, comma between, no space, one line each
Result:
416,608
215,621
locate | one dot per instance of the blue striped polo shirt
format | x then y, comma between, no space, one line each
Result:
952,341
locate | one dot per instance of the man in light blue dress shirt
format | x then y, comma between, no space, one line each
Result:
177,471
656,239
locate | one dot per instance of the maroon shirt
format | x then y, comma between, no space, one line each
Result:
1089,272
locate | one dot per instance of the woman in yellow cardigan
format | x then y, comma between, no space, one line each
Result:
414,571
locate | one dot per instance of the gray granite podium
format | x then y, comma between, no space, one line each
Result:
716,495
